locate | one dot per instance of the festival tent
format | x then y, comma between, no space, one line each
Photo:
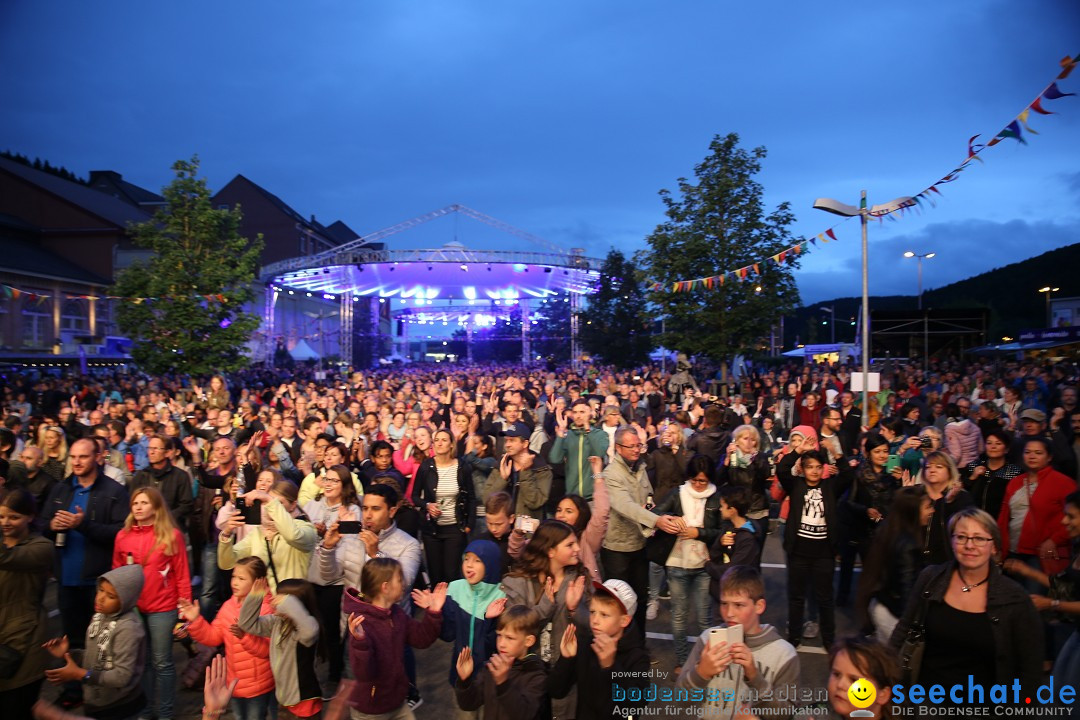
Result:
302,351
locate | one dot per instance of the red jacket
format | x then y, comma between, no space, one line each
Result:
165,577
249,656
1043,517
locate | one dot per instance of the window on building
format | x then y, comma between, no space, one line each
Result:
74,316
36,323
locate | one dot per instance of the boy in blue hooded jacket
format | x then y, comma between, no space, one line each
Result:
474,603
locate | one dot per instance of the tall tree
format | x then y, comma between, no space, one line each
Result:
199,277
615,326
714,224
551,332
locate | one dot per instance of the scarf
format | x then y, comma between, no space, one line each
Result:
693,503
742,459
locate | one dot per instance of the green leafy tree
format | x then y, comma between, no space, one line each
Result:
200,276
615,326
551,332
718,223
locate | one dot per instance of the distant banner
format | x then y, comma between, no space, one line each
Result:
1015,130
14,293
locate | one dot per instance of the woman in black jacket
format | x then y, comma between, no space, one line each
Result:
865,506
979,627
443,489
897,556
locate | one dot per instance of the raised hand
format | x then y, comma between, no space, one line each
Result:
495,608
188,610
421,598
568,644
57,647
597,464
464,663
438,598
499,667
260,587
549,589
217,690
574,592
604,646
356,626
506,467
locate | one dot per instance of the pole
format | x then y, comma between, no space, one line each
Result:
832,324
663,356
920,281
865,313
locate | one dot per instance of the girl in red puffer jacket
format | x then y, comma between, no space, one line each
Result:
248,655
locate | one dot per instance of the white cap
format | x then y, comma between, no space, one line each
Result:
621,591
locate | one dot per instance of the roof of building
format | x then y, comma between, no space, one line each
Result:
106,207
341,233
113,183
25,256
285,208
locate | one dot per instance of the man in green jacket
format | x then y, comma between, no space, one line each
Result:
575,445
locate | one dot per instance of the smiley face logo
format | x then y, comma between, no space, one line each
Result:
862,693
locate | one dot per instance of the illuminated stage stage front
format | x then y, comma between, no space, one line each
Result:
453,273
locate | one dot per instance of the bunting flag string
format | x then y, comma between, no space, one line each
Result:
14,293
1014,129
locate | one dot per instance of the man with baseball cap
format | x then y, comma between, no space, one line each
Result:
522,473
1033,424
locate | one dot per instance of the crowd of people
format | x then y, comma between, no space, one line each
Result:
321,532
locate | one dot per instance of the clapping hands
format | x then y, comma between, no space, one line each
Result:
430,600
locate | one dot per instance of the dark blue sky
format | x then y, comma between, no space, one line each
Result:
565,119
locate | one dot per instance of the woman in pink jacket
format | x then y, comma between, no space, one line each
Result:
963,439
248,655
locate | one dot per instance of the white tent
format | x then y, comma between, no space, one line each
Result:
302,351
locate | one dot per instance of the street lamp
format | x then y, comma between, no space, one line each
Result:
910,254
1049,291
844,210
832,321
926,321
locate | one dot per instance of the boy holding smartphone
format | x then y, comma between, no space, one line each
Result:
742,663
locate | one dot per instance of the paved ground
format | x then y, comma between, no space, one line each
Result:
435,661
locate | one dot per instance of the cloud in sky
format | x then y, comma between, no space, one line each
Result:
564,119
963,248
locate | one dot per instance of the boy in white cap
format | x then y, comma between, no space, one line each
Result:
600,655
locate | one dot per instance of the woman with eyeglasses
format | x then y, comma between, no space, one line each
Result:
975,621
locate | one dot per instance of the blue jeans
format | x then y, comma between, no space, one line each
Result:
209,600
255,708
1067,665
656,581
688,587
159,680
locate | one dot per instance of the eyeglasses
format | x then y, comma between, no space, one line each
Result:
630,447
975,540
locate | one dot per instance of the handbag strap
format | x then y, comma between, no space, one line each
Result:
270,557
